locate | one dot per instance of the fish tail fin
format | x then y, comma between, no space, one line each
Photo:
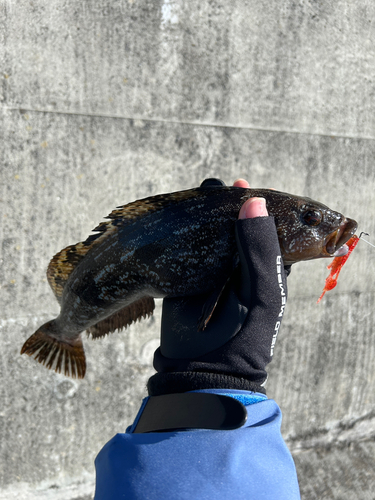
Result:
53,353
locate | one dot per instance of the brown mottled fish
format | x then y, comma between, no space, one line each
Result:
168,245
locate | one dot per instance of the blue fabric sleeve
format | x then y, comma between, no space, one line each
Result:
251,462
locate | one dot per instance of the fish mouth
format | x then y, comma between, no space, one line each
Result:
339,237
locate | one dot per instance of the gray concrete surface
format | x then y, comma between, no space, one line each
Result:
104,102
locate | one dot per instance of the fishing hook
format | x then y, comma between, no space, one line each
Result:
360,236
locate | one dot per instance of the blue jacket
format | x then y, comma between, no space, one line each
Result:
251,462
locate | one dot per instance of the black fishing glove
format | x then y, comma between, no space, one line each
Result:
237,344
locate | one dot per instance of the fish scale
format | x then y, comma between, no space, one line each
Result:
168,245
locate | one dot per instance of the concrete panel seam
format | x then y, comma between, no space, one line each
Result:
190,123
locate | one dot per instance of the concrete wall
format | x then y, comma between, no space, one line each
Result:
104,102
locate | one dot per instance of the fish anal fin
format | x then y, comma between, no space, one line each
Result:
63,357
139,309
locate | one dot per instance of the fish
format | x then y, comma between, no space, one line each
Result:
169,245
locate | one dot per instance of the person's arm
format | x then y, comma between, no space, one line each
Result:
207,430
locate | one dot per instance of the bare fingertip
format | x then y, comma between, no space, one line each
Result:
254,207
241,183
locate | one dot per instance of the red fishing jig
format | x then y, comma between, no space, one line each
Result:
336,266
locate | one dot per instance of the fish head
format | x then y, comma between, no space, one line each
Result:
309,230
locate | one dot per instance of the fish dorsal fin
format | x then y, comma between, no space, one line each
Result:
142,308
65,261
126,214
61,266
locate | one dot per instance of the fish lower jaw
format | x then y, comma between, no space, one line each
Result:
341,251
334,252
338,238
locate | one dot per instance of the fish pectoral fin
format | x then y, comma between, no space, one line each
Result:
210,305
139,309
63,357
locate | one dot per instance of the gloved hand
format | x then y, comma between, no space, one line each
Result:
237,344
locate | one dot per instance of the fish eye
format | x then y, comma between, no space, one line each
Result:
312,217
